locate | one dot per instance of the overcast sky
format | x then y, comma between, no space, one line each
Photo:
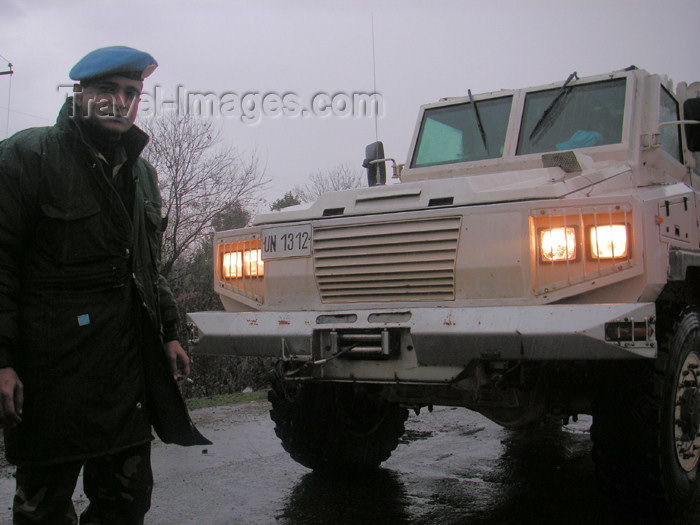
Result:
424,51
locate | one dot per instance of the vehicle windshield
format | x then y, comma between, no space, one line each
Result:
460,134
583,116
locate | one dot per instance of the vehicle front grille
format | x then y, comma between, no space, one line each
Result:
411,260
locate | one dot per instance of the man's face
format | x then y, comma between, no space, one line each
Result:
110,103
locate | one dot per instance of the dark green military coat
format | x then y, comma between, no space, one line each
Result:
83,308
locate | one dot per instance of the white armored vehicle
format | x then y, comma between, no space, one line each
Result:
540,256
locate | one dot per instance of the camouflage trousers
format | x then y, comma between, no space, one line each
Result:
118,487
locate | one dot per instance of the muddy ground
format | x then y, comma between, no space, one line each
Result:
451,467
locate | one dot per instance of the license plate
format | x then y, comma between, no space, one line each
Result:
286,241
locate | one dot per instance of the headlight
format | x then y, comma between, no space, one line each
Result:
571,246
253,264
240,270
232,265
609,242
558,244
241,263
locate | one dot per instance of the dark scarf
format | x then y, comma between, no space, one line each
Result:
105,142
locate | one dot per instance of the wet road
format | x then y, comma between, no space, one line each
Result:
452,467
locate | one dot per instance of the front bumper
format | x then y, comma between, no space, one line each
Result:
442,336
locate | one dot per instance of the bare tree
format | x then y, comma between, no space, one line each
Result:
198,178
340,177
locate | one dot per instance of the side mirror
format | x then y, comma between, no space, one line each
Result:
375,164
691,111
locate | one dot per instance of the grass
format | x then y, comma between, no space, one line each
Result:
225,399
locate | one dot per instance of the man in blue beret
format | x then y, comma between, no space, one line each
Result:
89,355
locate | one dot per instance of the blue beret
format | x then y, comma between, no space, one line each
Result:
114,60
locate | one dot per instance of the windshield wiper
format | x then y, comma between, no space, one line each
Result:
478,121
545,115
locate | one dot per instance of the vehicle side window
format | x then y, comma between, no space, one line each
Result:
670,135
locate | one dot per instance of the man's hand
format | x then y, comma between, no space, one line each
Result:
178,360
11,397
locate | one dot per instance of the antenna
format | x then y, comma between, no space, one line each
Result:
374,81
9,93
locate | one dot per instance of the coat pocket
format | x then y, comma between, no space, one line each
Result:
75,230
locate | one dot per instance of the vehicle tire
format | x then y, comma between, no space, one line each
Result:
335,427
646,423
